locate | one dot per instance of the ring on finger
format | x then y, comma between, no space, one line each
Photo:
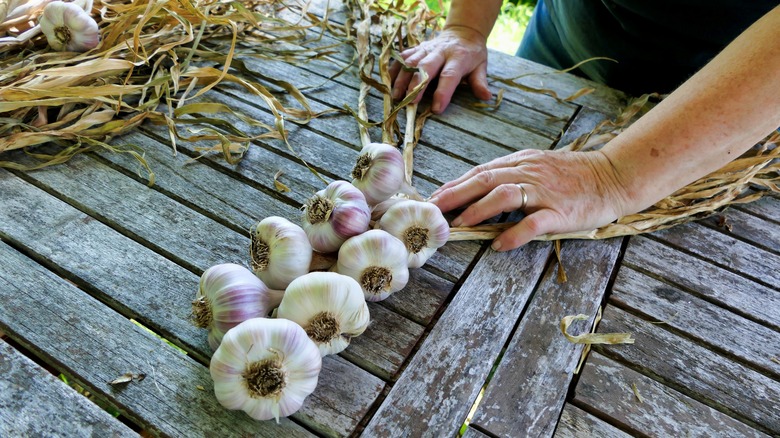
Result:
524,195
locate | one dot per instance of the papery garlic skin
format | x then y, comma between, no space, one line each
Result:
68,27
335,214
265,367
280,251
229,294
377,261
378,172
329,306
420,225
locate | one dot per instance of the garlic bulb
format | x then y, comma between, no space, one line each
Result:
419,225
68,27
377,260
335,214
329,306
378,172
280,251
228,295
379,210
265,367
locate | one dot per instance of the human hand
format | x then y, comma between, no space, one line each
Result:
565,191
458,52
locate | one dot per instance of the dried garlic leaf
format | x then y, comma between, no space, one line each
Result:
279,185
776,360
592,338
200,387
126,378
636,393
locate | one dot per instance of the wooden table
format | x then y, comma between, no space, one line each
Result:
96,267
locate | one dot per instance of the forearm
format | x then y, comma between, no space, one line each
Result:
728,106
478,15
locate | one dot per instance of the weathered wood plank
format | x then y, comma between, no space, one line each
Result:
35,403
695,371
529,387
715,284
604,99
421,298
707,323
767,208
474,433
607,387
760,265
576,423
443,379
143,285
584,121
95,345
755,230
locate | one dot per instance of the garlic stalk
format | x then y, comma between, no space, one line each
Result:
280,251
228,295
265,367
419,225
335,214
378,172
68,27
377,260
329,306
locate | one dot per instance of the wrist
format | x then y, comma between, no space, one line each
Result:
472,32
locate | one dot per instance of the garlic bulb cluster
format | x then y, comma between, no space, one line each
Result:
329,306
228,295
421,226
265,367
378,172
377,261
280,251
335,214
69,27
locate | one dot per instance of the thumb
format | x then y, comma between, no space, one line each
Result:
479,84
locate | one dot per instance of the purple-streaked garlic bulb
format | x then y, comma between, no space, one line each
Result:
378,172
335,214
419,225
280,251
377,261
68,27
228,295
265,367
329,306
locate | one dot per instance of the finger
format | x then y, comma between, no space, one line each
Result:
450,77
544,221
511,160
474,188
431,64
479,84
401,84
502,199
395,67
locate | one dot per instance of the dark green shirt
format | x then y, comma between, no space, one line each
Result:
657,44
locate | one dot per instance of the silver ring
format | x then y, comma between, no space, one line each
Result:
525,196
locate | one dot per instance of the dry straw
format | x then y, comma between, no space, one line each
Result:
154,62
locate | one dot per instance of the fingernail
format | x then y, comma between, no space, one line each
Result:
433,199
436,108
457,222
496,245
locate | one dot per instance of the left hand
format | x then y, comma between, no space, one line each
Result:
566,191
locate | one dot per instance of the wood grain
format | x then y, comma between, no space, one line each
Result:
576,423
710,282
436,390
530,384
35,403
606,387
696,371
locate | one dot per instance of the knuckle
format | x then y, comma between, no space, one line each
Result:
486,178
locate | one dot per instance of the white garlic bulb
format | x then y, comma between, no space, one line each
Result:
329,306
335,214
378,210
377,261
228,295
280,251
378,172
420,225
265,367
68,27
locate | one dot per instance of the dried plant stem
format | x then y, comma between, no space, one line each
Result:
409,142
366,66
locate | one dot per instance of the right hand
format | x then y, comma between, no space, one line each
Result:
456,53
